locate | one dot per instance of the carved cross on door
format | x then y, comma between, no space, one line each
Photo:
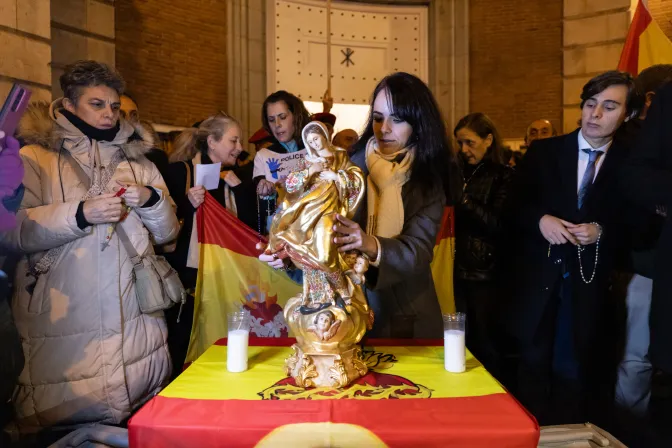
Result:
348,52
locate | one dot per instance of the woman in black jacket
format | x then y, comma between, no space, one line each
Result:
218,139
478,221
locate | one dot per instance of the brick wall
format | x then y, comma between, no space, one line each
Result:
516,60
661,10
173,57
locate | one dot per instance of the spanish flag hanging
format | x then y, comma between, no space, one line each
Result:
646,44
230,276
444,260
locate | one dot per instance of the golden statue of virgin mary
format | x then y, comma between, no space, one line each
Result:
331,315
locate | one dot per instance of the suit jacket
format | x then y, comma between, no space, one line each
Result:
401,290
546,183
647,181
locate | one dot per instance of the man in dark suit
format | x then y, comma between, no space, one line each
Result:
634,281
647,180
565,215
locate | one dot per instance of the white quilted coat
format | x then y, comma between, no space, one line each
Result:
91,355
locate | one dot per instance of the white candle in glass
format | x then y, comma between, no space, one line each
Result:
236,350
454,351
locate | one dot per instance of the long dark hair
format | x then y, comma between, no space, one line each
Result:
295,106
412,101
483,126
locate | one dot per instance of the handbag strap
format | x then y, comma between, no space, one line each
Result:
136,258
188,184
79,171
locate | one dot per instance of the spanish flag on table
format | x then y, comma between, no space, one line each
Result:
646,44
444,260
230,276
407,399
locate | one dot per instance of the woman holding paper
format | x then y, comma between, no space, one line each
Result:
216,143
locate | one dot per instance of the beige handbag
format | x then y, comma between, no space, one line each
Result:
157,285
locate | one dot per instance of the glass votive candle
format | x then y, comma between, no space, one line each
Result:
237,341
454,349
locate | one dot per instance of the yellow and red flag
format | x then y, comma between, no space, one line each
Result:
230,276
444,260
406,399
646,44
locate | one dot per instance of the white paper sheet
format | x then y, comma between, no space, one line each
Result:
208,175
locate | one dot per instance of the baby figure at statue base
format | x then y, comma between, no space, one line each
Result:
331,315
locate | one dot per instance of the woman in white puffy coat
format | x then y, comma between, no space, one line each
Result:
91,355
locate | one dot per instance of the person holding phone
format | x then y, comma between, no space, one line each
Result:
91,355
11,175
11,354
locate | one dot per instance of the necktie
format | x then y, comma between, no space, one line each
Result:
588,176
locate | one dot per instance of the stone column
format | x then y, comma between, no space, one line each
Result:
25,46
246,44
80,29
449,57
593,37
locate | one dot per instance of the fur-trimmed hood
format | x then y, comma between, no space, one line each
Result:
39,126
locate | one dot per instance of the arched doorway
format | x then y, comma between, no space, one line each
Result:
367,43
252,71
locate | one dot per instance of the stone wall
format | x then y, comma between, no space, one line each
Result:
246,62
80,29
25,46
594,34
449,59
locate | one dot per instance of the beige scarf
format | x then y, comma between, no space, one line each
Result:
387,176
193,256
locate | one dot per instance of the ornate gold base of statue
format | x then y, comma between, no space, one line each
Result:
331,315
326,353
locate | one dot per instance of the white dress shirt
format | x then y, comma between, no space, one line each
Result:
584,157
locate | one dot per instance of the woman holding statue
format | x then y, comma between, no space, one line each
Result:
404,155
326,185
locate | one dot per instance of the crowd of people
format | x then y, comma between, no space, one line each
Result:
560,254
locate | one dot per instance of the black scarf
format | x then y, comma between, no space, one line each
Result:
100,135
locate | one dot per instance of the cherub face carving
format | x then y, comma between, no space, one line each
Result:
324,321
